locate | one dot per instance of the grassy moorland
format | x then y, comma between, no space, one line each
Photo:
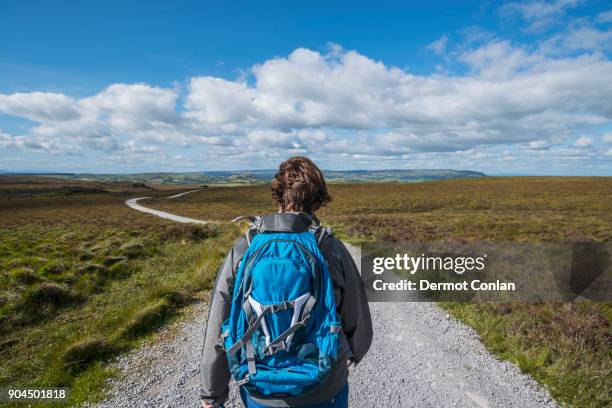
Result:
566,346
83,278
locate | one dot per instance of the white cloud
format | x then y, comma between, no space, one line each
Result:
269,138
578,37
500,59
39,106
605,17
6,140
583,141
540,14
537,145
309,89
607,137
511,96
218,101
134,147
438,47
132,107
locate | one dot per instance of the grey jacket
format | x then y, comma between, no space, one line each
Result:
351,304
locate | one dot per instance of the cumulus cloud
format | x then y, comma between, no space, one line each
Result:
218,101
132,107
511,96
40,106
351,91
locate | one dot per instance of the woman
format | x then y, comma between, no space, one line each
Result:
299,190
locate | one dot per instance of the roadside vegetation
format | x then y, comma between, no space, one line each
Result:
84,278
565,346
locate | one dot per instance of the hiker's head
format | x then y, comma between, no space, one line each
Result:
299,186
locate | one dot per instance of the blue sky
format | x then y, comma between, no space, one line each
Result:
522,87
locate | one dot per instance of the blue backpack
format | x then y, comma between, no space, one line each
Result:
282,334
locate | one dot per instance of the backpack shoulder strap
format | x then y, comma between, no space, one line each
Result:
255,225
255,222
321,233
252,219
318,231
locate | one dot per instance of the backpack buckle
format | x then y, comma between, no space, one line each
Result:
276,347
244,380
281,307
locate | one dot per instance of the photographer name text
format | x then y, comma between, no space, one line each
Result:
424,284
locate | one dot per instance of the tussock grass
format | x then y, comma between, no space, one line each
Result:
120,270
133,250
25,276
93,268
176,298
123,275
50,294
147,319
85,352
112,260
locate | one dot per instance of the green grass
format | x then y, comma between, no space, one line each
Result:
65,345
86,278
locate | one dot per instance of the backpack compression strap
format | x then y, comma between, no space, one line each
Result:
283,341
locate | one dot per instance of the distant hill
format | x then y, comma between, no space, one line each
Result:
26,184
264,176
415,175
33,173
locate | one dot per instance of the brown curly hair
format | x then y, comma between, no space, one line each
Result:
299,186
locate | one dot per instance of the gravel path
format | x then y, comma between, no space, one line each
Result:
133,203
184,193
420,357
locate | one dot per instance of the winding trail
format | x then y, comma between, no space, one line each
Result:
420,357
133,203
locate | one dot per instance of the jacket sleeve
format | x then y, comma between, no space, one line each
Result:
214,370
351,301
